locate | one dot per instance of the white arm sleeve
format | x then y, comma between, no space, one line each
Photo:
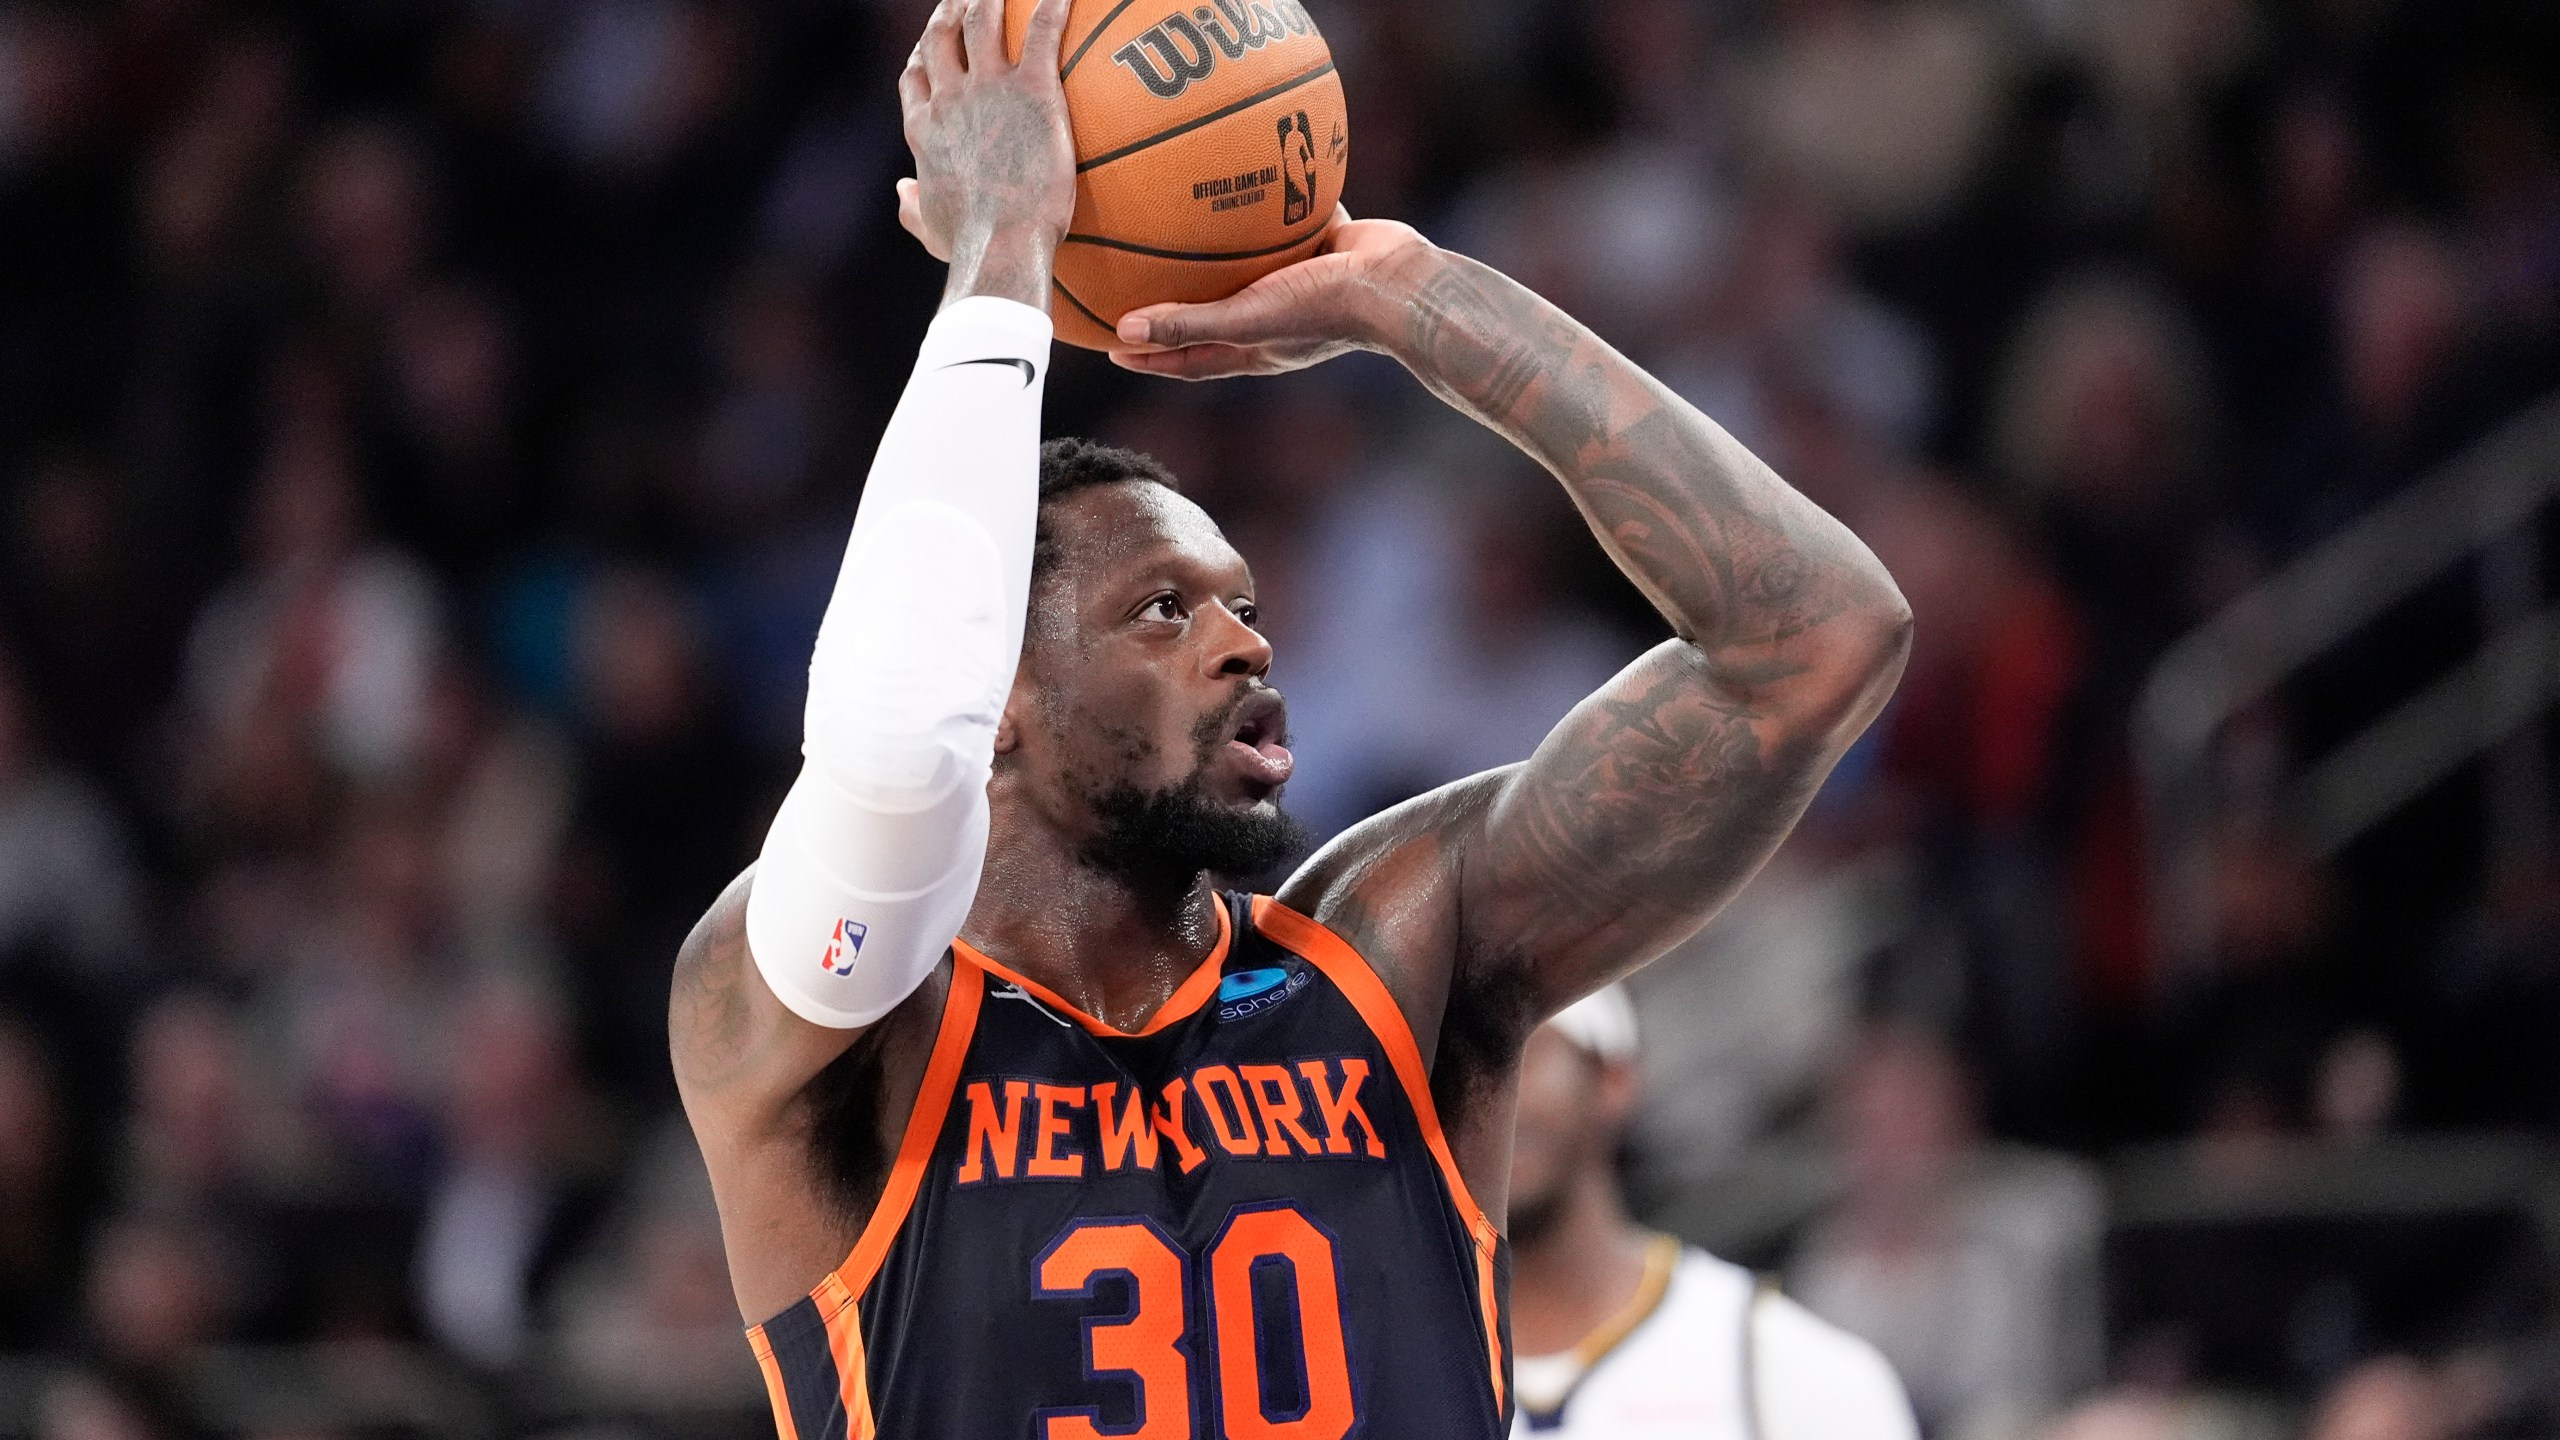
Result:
873,860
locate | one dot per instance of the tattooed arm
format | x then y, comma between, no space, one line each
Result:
1656,798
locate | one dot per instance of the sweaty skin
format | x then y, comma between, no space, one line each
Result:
1485,906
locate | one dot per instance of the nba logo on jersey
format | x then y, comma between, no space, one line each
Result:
843,947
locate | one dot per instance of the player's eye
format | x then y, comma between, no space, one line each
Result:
1247,612
1167,606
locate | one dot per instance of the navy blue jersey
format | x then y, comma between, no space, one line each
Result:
1242,1221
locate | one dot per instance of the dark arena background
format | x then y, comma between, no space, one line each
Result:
427,436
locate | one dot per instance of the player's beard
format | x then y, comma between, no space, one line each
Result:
1162,840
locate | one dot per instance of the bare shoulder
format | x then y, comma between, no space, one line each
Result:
710,1014
1390,886
1386,885
737,1050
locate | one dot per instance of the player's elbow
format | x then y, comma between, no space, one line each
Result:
1881,646
893,769
1857,663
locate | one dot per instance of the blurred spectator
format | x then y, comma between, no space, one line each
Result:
1974,769
357,1013
365,216
2398,1398
322,641
200,1138
1489,652
89,621
499,784
1975,1270
1606,236
661,817
68,892
771,428
648,1314
1784,320
2101,426
159,1286
450,485
84,1406
518,1132
628,84
1883,108
2415,371
38,1253
1747,1018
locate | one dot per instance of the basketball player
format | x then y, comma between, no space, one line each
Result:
1627,1334
1019,1124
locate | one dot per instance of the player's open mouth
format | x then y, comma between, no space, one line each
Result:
1262,722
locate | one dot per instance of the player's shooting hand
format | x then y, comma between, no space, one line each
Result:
1340,299
995,180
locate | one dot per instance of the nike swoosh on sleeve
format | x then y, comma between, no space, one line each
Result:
1028,373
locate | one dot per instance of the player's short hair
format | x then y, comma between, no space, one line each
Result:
1069,465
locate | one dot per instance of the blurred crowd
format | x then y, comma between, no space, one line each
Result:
429,431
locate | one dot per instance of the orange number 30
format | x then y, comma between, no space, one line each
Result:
1147,1344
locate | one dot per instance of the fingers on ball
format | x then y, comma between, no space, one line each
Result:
1046,37
982,32
940,48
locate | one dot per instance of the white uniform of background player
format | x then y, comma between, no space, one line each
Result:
1622,1334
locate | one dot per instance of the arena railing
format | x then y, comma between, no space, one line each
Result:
2483,506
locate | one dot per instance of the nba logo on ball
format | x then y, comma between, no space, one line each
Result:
1211,139
1297,168
843,947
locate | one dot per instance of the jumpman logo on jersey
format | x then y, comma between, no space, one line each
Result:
1007,990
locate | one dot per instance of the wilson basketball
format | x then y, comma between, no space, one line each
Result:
1210,142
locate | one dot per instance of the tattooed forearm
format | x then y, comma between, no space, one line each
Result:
1664,792
1721,545
1481,359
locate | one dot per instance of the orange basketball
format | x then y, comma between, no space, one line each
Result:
1210,142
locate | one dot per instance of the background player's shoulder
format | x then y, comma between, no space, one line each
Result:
1817,1380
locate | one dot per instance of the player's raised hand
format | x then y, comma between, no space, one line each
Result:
1336,300
995,180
